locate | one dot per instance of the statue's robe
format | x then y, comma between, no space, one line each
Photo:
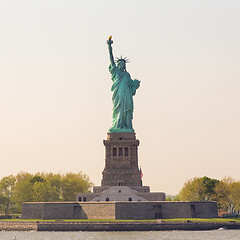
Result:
123,88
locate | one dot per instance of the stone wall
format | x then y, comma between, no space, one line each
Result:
153,196
101,210
67,210
134,226
17,226
152,210
32,210
113,226
119,210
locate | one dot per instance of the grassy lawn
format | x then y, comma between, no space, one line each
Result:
116,221
74,220
201,219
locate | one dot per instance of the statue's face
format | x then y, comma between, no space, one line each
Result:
122,65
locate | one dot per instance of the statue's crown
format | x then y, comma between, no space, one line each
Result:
122,59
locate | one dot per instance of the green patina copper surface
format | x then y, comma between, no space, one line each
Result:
123,88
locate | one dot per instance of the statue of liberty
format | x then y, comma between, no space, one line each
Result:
123,88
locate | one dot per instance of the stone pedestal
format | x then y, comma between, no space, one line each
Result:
121,160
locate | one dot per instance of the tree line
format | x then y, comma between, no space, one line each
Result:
226,192
40,187
50,187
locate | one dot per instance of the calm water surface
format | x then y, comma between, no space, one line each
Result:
166,235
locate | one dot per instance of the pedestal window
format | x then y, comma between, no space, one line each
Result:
120,152
114,152
126,152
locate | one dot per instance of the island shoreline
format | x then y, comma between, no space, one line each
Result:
115,226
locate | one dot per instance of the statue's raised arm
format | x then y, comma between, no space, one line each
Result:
110,42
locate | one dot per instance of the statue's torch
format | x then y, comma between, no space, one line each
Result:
110,41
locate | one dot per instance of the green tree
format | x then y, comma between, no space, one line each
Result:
234,196
199,189
222,195
37,178
168,199
3,203
176,198
54,182
48,187
209,187
40,192
73,183
193,190
7,185
23,190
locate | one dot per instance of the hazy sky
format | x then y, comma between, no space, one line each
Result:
55,98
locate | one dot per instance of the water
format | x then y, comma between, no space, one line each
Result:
165,235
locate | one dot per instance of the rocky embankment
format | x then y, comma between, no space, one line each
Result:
113,226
